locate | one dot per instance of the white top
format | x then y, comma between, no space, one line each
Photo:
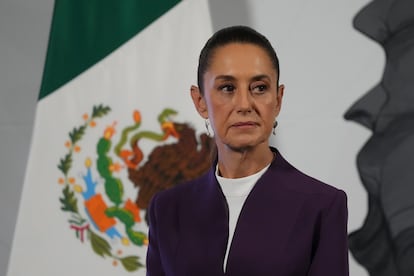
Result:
236,191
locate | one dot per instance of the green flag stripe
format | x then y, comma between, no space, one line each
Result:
84,32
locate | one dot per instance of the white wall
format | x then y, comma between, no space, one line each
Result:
24,30
325,64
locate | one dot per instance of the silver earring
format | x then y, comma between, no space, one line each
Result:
274,127
207,124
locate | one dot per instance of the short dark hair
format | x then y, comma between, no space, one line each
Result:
233,34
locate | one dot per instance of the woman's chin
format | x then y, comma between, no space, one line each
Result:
243,145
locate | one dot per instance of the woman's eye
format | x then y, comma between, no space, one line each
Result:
227,88
259,88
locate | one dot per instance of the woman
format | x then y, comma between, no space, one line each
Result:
252,213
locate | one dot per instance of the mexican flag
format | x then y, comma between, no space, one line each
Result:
114,125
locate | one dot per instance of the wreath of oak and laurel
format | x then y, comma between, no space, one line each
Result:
69,201
161,169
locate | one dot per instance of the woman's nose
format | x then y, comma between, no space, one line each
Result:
244,101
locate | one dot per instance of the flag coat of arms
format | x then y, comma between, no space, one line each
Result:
114,124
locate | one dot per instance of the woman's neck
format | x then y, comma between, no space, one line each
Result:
240,163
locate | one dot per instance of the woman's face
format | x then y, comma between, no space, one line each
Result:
241,98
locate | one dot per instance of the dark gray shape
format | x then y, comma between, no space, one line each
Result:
384,245
228,13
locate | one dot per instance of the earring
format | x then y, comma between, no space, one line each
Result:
207,124
274,127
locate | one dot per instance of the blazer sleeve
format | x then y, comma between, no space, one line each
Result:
331,252
154,265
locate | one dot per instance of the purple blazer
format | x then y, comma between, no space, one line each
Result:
290,225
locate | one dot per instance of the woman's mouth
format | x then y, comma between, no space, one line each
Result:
248,124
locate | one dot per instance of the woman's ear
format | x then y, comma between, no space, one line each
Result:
279,97
199,101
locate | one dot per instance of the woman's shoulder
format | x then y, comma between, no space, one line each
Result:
293,180
181,191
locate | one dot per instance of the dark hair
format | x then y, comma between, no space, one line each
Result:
234,34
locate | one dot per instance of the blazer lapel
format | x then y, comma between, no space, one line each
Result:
204,229
264,224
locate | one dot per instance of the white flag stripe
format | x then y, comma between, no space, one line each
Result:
152,71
